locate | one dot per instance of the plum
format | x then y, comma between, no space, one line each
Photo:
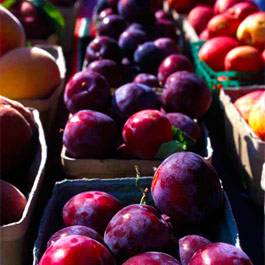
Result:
90,134
105,12
129,70
220,254
165,28
152,258
12,203
161,14
104,4
87,90
167,46
148,56
187,93
109,69
187,188
190,244
80,230
186,124
112,26
92,208
145,131
135,229
131,98
137,10
130,39
103,47
146,79
171,64
77,250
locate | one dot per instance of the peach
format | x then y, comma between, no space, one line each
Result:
257,118
181,6
204,35
12,34
223,25
213,52
242,10
251,31
245,103
16,124
199,17
12,203
28,73
244,59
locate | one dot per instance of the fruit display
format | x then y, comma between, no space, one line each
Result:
152,109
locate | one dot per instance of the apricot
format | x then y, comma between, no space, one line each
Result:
28,73
12,34
257,118
16,124
12,203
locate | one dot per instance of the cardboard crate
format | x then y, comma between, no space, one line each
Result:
224,229
245,149
115,168
12,236
48,106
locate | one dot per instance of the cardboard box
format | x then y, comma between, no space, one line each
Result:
12,236
115,168
224,229
245,148
48,106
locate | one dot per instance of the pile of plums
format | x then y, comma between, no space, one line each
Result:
117,109
101,230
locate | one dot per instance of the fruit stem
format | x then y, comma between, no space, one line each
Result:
144,191
143,200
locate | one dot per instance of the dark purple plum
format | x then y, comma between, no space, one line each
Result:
75,230
187,188
130,39
90,134
165,28
131,98
137,10
220,253
129,70
167,45
104,4
171,64
135,229
111,26
109,69
87,90
187,93
148,56
106,12
188,245
103,47
152,258
161,14
186,124
91,208
147,79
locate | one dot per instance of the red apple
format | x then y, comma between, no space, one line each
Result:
222,5
204,35
251,31
213,52
244,59
263,56
182,6
223,25
220,253
242,10
145,131
199,17
12,203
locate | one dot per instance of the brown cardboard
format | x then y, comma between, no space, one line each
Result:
245,148
48,106
12,235
115,168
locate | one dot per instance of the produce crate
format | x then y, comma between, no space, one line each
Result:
225,229
12,236
224,79
48,106
245,148
115,168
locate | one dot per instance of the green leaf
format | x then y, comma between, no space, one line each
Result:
8,3
169,148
